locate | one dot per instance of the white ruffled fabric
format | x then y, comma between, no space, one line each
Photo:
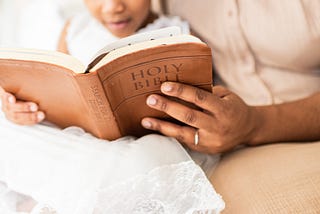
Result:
69,171
86,36
45,170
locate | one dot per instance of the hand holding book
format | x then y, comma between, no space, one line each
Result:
20,112
109,101
28,113
222,121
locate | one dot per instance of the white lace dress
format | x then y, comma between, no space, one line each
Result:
46,170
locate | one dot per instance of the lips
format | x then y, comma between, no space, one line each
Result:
118,25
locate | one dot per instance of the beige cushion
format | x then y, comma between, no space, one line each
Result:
279,178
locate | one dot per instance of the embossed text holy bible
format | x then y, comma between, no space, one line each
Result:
109,99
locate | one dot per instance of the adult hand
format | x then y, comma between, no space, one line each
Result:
19,112
224,122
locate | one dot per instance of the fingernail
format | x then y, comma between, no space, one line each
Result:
40,116
151,101
33,107
10,99
147,124
166,87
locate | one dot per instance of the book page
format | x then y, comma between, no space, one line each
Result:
132,40
140,37
114,54
45,56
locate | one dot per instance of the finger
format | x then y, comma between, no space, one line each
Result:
184,134
20,106
23,118
199,97
7,98
11,104
2,91
220,91
180,112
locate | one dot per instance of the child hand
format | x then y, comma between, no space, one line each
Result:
20,112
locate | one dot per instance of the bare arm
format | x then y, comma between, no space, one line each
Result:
226,121
294,121
62,43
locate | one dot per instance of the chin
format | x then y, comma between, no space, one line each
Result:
122,34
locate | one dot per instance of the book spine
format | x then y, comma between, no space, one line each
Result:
104,124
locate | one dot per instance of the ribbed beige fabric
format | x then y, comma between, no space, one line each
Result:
281,178
267,51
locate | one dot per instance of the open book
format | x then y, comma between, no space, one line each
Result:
107,97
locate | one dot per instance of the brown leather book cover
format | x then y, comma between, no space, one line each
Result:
109,101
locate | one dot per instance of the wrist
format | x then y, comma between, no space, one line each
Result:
262,131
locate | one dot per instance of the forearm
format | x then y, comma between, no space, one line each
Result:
294,121
62,43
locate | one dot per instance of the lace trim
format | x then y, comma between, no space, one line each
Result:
179,188
173,189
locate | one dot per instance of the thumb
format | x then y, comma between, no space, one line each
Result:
2,92
6,97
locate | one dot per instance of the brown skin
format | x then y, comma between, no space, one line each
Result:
20,112
62,43
227,121
121,17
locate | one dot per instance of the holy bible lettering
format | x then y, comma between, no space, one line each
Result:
109,100
155,75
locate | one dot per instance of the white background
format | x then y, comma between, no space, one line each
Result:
34,23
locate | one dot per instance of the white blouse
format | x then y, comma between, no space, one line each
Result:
86,36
